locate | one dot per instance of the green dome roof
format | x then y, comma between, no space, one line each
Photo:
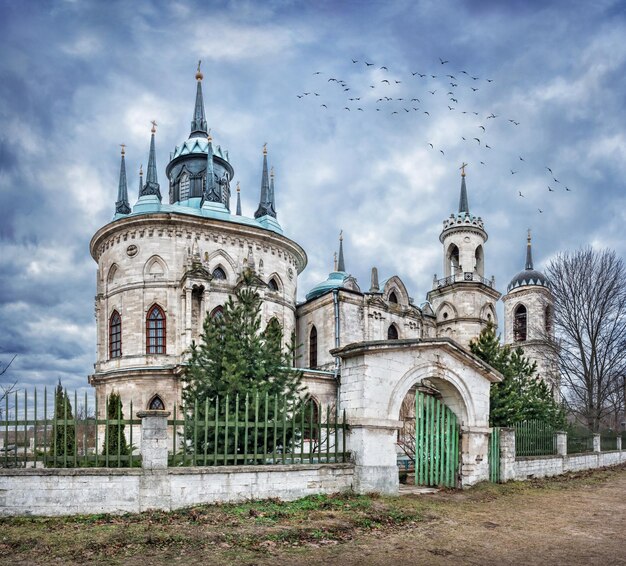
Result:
335,281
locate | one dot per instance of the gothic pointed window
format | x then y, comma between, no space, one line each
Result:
115,335
273,285
393,298
156,404
392,332
155,330
313,347
183,187
217,311
548,321
219,274
520,324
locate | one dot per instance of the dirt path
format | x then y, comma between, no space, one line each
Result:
573,526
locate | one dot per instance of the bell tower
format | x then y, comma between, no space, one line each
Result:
464,301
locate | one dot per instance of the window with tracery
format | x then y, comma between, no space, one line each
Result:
520,319
217,311
155,331
115,335
184,187
219,273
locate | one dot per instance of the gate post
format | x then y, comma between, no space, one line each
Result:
507,454
474,455
372,444
153,439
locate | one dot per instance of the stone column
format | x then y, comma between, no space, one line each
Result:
561,443
596,442
372,443
507,454
474,455
153,439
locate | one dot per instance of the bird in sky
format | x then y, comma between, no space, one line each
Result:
361,109
368,64
428,113
450,108
540,211
489,80
315,93
477,140
482,162
346,108
317,73
556,180
487,146
521,158
520,194
474,89
483,127
513,172
567,189
442,61
331,79
550,189
354,61
492,115
475,78
299,95
441,151
431,146
434,76
395,112
415,100
548,168
398,82
324,105
385,68
451,77
385,81
432,91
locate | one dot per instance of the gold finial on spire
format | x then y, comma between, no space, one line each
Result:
123,146
141,170
528,238
208,136
199,75
341,235
154,125
335,258
265,148
238,189
462,168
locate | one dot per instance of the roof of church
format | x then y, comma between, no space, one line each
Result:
336,278
529,276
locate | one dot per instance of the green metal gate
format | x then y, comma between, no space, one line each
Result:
494,455
436,442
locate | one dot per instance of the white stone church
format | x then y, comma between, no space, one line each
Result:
163,266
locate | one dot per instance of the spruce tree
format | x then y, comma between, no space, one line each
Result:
234,360
114,437
64,434
521,395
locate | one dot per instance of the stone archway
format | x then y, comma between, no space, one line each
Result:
375,379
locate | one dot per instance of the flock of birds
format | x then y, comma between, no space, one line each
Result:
444,91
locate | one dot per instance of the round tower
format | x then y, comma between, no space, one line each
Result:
463,300
528,309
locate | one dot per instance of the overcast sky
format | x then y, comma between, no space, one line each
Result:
79,78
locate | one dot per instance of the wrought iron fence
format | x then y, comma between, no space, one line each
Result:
256,430
464,276
579,441
608,441
40,431
494,455
534,438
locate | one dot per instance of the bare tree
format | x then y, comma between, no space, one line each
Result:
6,390
589,288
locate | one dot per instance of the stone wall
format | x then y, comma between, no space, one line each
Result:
545,466
97,490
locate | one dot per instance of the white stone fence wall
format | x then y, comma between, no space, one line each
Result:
529,467
38,491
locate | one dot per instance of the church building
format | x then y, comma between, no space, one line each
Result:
164,265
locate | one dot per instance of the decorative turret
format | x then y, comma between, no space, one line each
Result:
122,206
374,287
266,203
212,189
336,279
152,184
238,200
199,124
529,276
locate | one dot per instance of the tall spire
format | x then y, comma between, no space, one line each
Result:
152,184
238,200
266,202
198,124
212,190
529,252
140,179
122,206
341,264
271,201
463,202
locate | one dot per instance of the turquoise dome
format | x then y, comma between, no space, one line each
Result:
335,281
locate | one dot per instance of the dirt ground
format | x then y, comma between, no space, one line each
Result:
574,520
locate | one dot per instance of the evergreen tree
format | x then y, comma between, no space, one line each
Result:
521,395
236,359
114,437
64,434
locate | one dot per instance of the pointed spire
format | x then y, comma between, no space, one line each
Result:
271,202
212,190
529,252
198,124
341,264
463,202
238,200
122,206
140,178
152,184
266,202
374,288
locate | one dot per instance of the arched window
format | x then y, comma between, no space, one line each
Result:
453,263
312,420
219,273
217,311
520,324
480,261
184,187
273,285
155,330
156,404
548,321
393,298
313,348
115,335
392,332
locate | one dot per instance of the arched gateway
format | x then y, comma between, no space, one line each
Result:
375,379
